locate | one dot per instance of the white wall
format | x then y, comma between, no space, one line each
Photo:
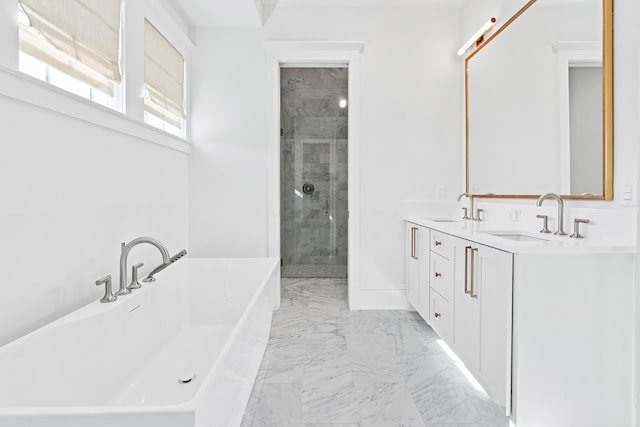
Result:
77,179
409,136
228,177
627,24
71,192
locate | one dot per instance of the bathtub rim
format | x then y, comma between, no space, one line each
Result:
187,406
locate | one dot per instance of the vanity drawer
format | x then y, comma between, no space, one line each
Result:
442,276
441,316
442,244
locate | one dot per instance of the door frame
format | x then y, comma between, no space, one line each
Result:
325,54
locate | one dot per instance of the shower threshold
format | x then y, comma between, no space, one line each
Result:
307,270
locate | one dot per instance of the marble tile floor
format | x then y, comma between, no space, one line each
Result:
325,366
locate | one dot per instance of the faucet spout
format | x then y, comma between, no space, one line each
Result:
470,196
554,196
461,195
125,253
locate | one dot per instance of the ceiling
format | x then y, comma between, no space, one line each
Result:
253,13
221,13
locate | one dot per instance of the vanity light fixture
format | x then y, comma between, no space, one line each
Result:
342,103
478,37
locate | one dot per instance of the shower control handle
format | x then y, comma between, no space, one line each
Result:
308,188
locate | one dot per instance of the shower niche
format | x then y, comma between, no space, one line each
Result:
313,172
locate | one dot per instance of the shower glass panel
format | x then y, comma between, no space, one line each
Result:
313,159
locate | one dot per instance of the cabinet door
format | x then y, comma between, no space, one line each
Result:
417,268
412,264
493,285
466,328
482,313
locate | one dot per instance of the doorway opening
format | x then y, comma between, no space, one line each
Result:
314,171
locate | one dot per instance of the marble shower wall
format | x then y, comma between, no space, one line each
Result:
313,151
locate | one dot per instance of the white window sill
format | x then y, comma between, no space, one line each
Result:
29,90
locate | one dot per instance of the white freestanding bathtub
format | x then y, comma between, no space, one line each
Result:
120,364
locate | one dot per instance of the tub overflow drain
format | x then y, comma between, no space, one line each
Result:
308,188
184,379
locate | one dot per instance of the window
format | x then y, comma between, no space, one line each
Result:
73,44
164,83
81,46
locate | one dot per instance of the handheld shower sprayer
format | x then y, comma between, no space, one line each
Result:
161,267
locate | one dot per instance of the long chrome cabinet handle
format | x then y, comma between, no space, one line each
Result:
466,269
472,291
415,242
411,254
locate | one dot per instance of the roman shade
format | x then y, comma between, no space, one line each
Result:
163,77
79,37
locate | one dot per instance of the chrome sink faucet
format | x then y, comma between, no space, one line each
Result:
126,248
554,196
470,196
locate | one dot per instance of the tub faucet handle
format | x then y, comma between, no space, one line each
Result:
108,295
134,277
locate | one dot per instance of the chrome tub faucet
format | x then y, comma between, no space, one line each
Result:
126,248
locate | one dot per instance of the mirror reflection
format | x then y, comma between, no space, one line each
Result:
535,106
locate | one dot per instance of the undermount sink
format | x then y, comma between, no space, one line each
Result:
515,235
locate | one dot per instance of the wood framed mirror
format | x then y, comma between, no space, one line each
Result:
539,104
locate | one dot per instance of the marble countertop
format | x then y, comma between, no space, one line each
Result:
487,233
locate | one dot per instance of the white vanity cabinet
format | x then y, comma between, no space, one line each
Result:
464,290
544,325
483,316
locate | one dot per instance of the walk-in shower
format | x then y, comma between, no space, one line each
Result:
313,165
